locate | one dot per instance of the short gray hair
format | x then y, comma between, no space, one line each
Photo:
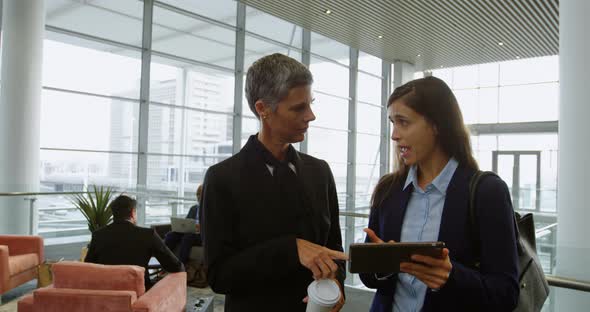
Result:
270,78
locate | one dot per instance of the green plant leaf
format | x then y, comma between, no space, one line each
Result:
95,206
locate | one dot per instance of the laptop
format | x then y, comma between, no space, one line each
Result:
182,225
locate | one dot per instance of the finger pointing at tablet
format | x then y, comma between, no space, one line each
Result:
373,237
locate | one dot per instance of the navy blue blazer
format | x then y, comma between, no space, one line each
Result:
494,286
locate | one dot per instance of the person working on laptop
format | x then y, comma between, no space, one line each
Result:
186,239
123,242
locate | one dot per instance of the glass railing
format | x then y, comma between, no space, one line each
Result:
54,216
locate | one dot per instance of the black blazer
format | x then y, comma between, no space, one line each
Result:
494,286
122,242
250,247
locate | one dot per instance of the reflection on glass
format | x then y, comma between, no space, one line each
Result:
191,38
330,48
220,10
257,48
84,16
63,171
258,22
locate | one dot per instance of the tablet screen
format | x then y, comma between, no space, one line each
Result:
386,257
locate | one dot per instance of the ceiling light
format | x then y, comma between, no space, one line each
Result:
518,56
441,66
328,12
418,55
500,43
380,36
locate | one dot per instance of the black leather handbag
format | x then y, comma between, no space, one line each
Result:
534,288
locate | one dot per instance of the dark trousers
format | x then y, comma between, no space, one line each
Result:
186,240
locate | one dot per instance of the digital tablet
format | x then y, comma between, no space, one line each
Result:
386,257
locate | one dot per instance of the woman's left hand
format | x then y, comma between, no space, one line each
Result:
434,272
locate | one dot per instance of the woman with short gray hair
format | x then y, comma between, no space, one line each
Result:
270,222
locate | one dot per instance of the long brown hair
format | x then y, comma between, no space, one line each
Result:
432,98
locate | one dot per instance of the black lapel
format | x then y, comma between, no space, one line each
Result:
455,207
304,175
394,209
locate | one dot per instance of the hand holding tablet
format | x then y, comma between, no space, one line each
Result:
386,257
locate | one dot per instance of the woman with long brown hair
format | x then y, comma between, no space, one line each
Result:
426,199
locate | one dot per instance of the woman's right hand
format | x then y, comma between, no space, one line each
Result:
373,237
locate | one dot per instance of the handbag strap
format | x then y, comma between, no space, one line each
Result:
472,213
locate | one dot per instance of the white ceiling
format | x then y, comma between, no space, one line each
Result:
443,33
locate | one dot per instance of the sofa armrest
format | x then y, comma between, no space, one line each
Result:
24,244
4,272
67,299
168,295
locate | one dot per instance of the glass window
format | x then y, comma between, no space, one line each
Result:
192,86
538,102
88,17
91,68
183,36
219,10
445,74
488,75
465,77
369,119
369,89
367,149
369,63
541,69
257,48
367,177
329,145
467,99
250,126
73,171
483,146
329,77
168,173
74,121
329,48
488,105
272,27
205,133
330,112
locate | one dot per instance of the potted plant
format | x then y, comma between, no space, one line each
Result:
95,206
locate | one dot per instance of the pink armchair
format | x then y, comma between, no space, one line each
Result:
79,286
19,258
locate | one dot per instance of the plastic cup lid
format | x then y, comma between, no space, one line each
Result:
324,292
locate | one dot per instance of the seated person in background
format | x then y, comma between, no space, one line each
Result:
123,242
187,240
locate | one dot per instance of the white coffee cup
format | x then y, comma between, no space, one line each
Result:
322,295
